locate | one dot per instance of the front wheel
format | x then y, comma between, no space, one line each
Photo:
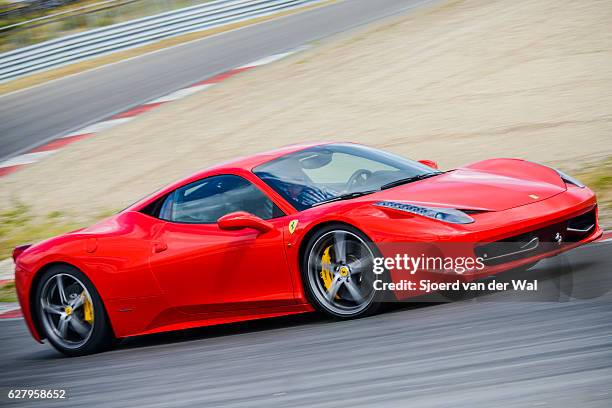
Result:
338,273
71,313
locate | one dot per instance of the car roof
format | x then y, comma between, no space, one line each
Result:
250,162
246,164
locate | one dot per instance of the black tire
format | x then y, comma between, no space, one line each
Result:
315,290
100,335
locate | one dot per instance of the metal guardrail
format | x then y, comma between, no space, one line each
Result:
135,33
80,19
51,16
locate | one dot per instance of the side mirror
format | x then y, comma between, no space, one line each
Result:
429,163
241,219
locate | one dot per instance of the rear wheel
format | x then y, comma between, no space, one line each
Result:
337,271
71,313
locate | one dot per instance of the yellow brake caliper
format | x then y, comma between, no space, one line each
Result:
88,315
326,274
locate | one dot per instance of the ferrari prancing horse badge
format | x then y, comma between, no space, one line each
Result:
292,226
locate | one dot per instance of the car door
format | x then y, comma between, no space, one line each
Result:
202,268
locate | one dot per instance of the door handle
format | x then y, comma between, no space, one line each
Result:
159,247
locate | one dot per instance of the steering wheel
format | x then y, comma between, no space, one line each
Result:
358,178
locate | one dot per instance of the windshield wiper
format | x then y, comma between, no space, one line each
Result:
409,180
346,196
356,194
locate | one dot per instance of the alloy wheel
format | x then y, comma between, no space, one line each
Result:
67,310
340,272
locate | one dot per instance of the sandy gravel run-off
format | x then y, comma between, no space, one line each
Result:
456,82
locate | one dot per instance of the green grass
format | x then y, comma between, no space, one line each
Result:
598,177
79,20
18,226
7,292
32,14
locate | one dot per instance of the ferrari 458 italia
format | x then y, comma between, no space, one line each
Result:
283,232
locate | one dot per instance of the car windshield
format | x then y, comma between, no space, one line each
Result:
323,173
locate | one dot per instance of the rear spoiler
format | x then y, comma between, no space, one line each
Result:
18,250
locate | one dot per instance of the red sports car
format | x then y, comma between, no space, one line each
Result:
283,232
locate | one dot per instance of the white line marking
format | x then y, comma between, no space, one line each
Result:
7,270
181,93
99,127
26,159
9,308
107,124
268,60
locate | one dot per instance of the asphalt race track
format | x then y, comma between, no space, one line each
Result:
32,116
504,349
496,350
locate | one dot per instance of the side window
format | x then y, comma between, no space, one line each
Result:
206,200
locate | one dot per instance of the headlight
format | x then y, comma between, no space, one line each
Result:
450,215
569,179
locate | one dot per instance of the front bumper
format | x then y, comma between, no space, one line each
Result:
558,224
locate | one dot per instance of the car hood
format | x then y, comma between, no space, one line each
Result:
473,190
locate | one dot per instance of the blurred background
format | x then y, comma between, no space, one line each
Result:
26,23
102,102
